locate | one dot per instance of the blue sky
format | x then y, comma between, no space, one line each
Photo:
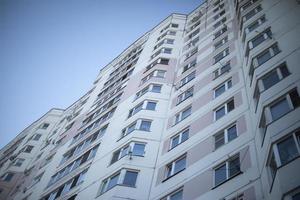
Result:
52,50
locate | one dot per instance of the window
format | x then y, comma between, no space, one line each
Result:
218,8
267,34
247,4
165,41
174,25
162,50
192,44
221,42
162,61
124,177
155,73
227,170
283,106
283,151
255,24
187,79
37,137
217,16
37,178
221,55
225,136
190,36
252,13
7,176
224,109
238,197
19,162
44,126
179,138
220,32
223,69
146,105
222,88
131,149
140,124
130,178
273,77
190,65
28,149
156,88
73,165
191,53
66,187
185,95
145,125
175,166
176,195
263,57
183,114
287,150
278,108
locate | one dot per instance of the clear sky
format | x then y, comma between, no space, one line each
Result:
52,50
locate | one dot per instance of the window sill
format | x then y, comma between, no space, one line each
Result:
237,174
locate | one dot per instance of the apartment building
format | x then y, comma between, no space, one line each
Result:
203,106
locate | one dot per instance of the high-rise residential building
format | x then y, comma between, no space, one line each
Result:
204,106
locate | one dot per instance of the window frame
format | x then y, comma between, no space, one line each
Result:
179,135
225,105
178,116
227,84
227,166
172,173
120,181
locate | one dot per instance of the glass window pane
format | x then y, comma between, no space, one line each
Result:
113,181
295,98
279,109
234,166
220,112
185,135
138,149
220,90
261,59
179,165
186,113
177,196
287,150
151,106
231,133
258,40
145,125
220,174
103,187
130,178
230,105
273,166
270,80
115,156
175,141
125,151
229,84
284,71
219,140
156,88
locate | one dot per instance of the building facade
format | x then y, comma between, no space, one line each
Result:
203,106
